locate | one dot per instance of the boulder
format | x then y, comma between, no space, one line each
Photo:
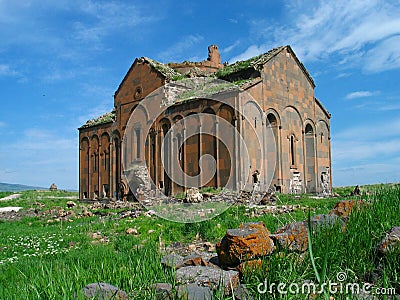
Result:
325,220
162,291
391,242
194,259
344,208
242,293
193,291
209,277
103,291
172,261
193,195
250,266
249,241
294,236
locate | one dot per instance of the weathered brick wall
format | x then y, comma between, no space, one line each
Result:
299,138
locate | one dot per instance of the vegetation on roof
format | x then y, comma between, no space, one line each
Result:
106,118
255,62
209,88
165,70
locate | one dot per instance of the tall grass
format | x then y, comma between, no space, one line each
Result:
133,262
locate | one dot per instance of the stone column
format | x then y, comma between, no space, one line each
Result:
200,152
184,157
170,161
264,152
89,181
217,164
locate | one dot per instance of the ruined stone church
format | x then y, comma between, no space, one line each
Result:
283,91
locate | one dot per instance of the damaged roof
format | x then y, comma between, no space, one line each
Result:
169,73
256,63
106,118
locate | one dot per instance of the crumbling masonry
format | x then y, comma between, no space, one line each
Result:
279,83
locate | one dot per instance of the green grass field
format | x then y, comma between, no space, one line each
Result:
42,259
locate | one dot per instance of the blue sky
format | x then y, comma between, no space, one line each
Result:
61,62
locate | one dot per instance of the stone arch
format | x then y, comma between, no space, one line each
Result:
165,182
254,137
225,157
323,156
310,157
272,117
84,162
292,158
209,143
94,165
226,112
309,127
116,164
273,124
141,109
104,165
192,144
296,110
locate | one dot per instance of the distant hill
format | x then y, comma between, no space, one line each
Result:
10,187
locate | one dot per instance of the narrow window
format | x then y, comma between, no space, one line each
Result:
292,149
137,131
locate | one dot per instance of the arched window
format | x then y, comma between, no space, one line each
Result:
309,130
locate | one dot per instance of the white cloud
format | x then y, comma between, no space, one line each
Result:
6,70
374,130
68,30
368,173
39,157
356,32
251,51
352,151
389,107
107,17
360,94
176,50
385,56
367,154
230,47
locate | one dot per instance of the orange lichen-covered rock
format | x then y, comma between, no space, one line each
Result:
344,208
250,266
292,236
249,241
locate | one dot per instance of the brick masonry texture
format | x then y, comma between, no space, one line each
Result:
282,88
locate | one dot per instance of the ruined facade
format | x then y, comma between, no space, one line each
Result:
283,90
